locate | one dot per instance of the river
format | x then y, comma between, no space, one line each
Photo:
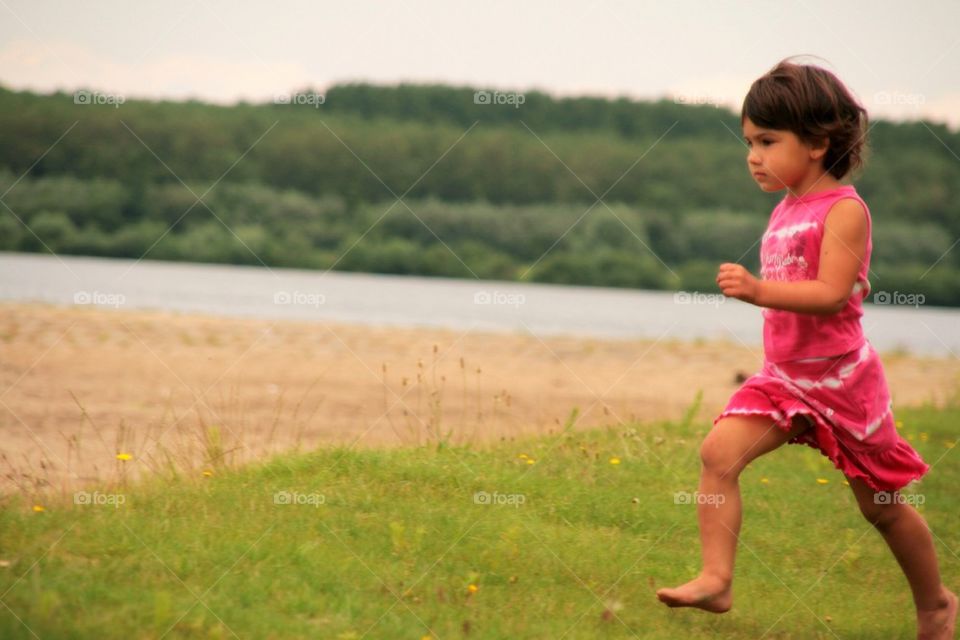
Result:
412,301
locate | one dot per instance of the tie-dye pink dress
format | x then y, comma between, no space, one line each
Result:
822,366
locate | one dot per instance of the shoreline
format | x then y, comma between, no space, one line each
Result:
82,384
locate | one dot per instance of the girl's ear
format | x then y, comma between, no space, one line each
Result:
818,148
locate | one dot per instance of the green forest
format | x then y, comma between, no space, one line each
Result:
431,180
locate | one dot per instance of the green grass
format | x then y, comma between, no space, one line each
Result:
398,539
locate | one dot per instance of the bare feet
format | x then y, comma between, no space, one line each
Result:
940,623
703,592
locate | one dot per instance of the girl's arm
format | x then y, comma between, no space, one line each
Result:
842,252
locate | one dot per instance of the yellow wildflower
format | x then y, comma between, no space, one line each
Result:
764,480
472,589
38,508
614,460
124,456
822,481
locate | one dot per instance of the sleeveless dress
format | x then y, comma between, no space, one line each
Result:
822,366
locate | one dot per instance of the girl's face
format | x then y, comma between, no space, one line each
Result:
778,159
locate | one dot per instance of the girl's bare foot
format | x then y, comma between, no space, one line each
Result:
940,623
703,592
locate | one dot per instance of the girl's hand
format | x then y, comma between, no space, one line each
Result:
736,282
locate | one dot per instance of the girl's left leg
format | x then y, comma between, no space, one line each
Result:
906,533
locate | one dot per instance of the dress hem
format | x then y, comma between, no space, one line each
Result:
821,432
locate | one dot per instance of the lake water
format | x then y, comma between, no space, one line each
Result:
413,301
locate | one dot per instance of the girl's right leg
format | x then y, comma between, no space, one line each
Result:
729,447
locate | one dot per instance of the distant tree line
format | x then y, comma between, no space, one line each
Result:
580,191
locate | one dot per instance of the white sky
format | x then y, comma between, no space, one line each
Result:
902,59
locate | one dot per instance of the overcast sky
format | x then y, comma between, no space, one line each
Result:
902,59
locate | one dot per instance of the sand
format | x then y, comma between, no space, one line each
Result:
79,385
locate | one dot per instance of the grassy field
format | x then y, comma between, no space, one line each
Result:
562,536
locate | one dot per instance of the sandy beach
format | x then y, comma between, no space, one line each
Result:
81,385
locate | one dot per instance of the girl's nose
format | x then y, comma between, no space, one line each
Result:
753,158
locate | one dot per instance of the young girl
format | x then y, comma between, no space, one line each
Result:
822,383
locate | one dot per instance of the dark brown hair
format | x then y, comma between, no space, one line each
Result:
812,103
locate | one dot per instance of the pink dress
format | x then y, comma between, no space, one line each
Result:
822,366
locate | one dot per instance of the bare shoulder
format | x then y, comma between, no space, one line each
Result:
847,215
845,232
